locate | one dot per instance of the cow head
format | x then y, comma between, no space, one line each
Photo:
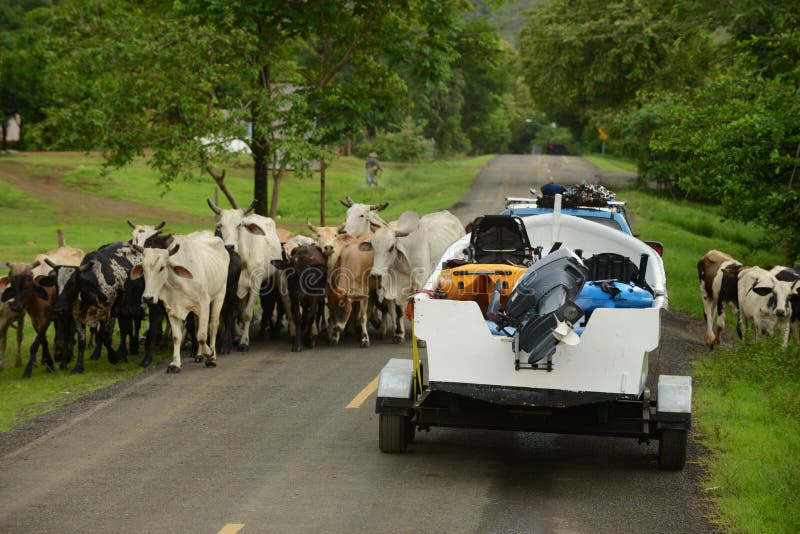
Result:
390,251
324,237
20,284
156,267
233,221
362,219
141,232
65,279
340,307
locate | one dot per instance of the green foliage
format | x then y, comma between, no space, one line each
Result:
583,56
406,144
179,81
735,143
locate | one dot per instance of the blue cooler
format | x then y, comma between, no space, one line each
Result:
608,294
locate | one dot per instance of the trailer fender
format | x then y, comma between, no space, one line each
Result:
674,407
397,379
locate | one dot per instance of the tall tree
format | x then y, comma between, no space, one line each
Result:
179,82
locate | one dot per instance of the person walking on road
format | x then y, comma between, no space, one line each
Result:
373,168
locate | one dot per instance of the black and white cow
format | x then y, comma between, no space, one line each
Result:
99,284
791,277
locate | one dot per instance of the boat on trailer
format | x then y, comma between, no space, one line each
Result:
542,323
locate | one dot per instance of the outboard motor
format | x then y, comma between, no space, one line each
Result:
542,309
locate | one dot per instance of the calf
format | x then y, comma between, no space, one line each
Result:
13,319
24,294
189,277
351,283
718,273
791,276
764,302
306,276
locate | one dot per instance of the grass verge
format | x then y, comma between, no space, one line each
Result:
604,162
746,407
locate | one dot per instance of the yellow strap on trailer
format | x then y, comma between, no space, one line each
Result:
415,352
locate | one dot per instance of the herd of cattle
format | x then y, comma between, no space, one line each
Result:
767,300
208,282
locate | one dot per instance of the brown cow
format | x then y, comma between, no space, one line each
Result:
718,273
10,318
24,294
351,283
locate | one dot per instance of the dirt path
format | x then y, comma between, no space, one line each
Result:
68,202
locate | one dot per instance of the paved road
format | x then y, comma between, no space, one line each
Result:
266,440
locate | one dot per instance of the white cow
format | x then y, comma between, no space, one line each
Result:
362,219
141,232
255,239
188,277
406,255
764,302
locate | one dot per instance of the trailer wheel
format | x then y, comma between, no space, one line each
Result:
393,433
672,449
411,430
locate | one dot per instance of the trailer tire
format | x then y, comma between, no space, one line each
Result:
672,449
393,433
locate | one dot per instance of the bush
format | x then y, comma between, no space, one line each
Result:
406,144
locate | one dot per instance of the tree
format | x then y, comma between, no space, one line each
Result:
181,81
584,56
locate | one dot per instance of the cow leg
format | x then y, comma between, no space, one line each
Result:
363,320
215,308
247,318
99,334
125,328
4,324
399,325
40,339
177,340
80,330
709,314
310,314
153,335
20,331
105,339
299,324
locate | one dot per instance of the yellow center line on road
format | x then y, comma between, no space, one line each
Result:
231,528
359,399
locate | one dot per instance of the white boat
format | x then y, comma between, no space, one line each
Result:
565,350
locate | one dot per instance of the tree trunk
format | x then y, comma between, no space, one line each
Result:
322,191
261,177
276,187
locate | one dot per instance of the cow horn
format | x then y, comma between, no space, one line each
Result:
137,248
174,249
347,202
160,226
310,226
251,207
341,229
130,223
35,264
85,267
213,206
379,207
51,263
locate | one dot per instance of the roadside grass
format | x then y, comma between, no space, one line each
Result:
29,227
747,413
746,395
604,162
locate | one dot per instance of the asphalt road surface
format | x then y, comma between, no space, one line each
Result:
271,441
